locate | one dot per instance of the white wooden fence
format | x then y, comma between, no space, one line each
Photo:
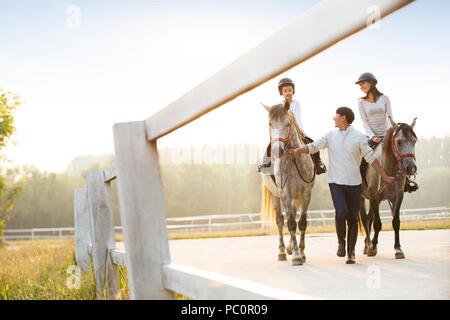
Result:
140,191
223,222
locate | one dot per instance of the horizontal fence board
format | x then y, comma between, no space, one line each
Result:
192,223
205,285
320,27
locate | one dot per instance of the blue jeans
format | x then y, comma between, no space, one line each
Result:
346,201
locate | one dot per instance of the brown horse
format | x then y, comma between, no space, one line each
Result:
396,155
294,179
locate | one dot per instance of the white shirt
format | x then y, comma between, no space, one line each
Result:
297,111
374,116
345,148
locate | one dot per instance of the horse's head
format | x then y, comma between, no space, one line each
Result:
280,127
403,141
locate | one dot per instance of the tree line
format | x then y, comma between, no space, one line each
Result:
190,188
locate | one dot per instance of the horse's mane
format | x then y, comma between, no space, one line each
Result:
278,112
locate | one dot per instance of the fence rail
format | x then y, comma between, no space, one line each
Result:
242,221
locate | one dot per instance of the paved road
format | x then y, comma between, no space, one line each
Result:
424,274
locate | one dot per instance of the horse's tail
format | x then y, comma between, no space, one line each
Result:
360,224
267,211
362,217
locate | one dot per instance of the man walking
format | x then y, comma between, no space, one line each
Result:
345,147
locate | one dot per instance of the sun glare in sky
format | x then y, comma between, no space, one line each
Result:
80,67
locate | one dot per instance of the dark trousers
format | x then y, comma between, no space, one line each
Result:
346,202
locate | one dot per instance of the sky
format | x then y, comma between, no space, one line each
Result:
81,66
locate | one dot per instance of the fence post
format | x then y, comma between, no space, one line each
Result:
102,234
82,228
142,210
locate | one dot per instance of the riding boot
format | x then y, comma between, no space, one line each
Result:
318,164
340,230
363,169
411,186
351,242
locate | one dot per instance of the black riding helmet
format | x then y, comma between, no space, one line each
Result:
367,76
285,82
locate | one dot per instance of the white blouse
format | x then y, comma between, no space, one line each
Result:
374,116
297,111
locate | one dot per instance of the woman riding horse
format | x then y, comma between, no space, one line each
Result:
397,155
374,110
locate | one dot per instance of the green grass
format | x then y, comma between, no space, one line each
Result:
37,270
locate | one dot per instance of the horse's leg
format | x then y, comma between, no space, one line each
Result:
374,208
364,222
292,226
396,225
369,221
289,247
280,223
302,224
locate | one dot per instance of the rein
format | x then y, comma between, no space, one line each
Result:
286,141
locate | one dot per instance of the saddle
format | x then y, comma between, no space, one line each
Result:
364,164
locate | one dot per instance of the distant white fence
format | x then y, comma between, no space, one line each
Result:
241,221
151,275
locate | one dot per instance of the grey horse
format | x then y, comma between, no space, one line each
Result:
293,179
397,157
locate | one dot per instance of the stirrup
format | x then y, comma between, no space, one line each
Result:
411,186
321,169
264,165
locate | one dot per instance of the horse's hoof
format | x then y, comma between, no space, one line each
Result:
282,257
289,250
366,246
372,252
297,262
303,258
399,255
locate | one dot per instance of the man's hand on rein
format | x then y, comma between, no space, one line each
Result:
301,149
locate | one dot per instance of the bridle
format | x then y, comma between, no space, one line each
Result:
397,155
285,140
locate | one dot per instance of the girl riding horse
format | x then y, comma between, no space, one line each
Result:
286,88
